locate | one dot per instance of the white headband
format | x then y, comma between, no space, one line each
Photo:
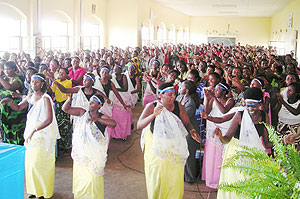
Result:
166,89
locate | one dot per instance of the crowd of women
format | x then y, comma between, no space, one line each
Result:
213,96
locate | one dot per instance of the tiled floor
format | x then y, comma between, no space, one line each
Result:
123,178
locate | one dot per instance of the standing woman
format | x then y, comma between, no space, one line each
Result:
105,85
259,83
182,68
63,119
40,138
245,129
265,105
134,84
291,77
12,123
89,151
289,115
76,72
190,100
122,116
164,144
217,106
152,78
195,77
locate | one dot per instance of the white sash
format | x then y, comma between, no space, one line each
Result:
106,108
89,146
38,114
248,133
130,89
169,138
79,100
126,96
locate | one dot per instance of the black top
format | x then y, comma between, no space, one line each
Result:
133,81
89,96
155,75
259,127
176,111
107,88
100,126
120,82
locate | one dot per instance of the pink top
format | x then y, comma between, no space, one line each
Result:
75,75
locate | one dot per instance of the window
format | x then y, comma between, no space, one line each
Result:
279,46
55,35
160,36
187,36
145,31
91,36
180,36
10,35
172,35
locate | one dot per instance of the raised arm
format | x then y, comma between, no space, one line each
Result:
226,107
16,107
217,120
76,111
66,90
148,114
107,121
78,80
231,131
59,86
13,86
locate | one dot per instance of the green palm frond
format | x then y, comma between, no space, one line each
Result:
266,177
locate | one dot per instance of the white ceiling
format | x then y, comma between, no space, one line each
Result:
239,8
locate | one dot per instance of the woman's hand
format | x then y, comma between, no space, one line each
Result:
48,75
148,78
290,139
29,138
235,82
93,119
17,95
127,107
195,135
279,97
204,115
158,109
5,101
217,133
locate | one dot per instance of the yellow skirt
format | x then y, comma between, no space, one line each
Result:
229,175
86,184
164,179
39,168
